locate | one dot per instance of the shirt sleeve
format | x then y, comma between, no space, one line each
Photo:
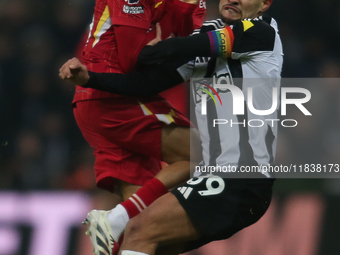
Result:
140,84
204,45
252,36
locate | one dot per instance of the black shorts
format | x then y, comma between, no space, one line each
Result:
218,208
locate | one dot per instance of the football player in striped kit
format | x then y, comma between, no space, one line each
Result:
242,44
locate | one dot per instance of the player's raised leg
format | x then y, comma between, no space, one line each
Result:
178,218
106,227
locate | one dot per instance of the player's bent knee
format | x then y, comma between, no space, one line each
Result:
142,229
137,235
133,231
137,230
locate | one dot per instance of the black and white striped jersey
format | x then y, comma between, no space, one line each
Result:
256,61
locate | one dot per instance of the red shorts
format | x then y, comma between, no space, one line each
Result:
125,133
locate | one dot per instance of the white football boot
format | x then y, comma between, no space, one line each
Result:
100,232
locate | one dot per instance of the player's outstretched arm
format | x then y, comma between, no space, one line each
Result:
74,71
216,43
144,83
140,84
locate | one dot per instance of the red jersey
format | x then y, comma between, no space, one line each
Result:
121,28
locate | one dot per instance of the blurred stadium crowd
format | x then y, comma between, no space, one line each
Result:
40,144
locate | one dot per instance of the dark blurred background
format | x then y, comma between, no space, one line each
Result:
41,147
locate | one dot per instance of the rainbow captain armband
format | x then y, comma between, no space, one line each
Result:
221,42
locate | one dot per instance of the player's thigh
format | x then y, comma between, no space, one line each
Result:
180,143
112,161
120,122
230,204
145,127
163,222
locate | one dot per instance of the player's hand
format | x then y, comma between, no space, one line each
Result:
159,52
74,71
158,37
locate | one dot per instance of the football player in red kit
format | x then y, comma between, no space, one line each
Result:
131,135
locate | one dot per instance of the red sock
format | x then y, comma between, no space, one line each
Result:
152,190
